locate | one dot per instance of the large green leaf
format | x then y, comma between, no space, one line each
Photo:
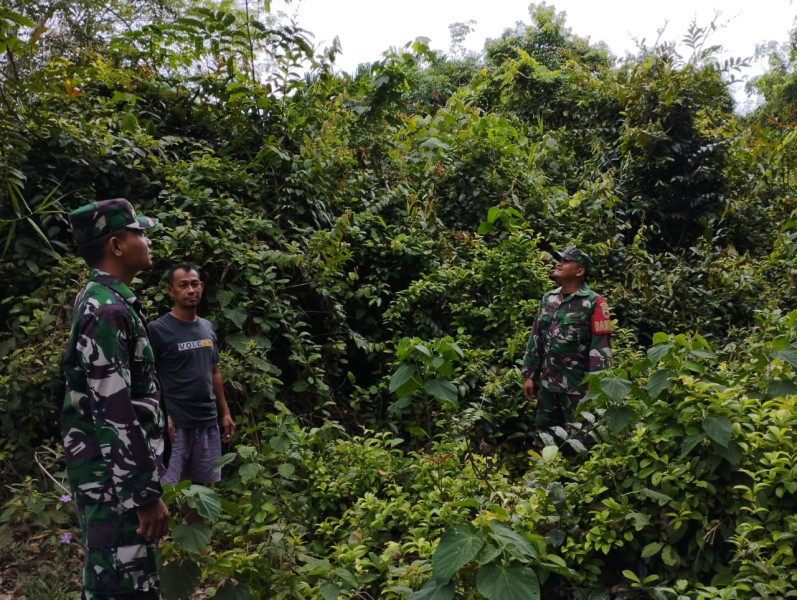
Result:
788,355
443,390
237,315
247,452
280,443
450,349
652,549
129,122
347,577
404,377
488,553
690,442
576,445
179,579
9,15
192,537
719,429
230,591
670,556
225,460
732,453
662,499
695,367
249,471
433,590
779,388
286,470
485,227
241,342
617,389
458,546
657,352
423,349
618,418
514,582
549,453
659,381
514,543
230,507
329,591
225,297
204,500
433,142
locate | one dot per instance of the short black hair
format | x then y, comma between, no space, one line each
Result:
184,267
93,250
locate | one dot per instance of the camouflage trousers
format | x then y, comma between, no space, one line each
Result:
118,564
555,408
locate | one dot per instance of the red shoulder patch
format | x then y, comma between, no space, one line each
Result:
601,320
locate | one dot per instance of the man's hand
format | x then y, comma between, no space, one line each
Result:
153,520
528,390
227,428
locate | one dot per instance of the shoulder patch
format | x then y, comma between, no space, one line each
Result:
601,321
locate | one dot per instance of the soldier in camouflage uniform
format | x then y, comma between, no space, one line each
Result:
571,337
112,420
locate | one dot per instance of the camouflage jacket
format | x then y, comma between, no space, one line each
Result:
571,337
112,420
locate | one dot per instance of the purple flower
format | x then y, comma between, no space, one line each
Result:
65,498
65,537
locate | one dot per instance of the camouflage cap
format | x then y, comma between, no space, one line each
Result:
103,217
574,254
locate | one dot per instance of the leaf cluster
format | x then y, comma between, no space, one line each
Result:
374,247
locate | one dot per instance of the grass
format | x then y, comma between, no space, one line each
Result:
38,566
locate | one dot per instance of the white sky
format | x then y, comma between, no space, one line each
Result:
367,28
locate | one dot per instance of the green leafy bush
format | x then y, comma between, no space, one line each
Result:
374,247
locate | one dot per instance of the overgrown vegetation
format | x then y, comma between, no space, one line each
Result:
374,246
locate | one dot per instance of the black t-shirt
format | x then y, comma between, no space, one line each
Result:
185,353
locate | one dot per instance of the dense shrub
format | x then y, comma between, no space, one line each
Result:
374,247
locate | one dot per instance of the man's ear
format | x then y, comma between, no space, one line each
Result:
582,271
170,290
114,245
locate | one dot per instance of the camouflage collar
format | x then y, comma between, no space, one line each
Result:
582,291
113,283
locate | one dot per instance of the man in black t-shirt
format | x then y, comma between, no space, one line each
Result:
187,356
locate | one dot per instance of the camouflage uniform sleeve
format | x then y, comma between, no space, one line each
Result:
106,348
532,360
600,351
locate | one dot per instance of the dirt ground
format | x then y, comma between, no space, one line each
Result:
39,567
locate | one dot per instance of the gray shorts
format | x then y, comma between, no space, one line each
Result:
194,455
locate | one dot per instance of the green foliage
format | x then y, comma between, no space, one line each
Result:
426,368
30,350
677,494
38,522
495,580
673,152
30,505
712,292
374,247
777,85
548,41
